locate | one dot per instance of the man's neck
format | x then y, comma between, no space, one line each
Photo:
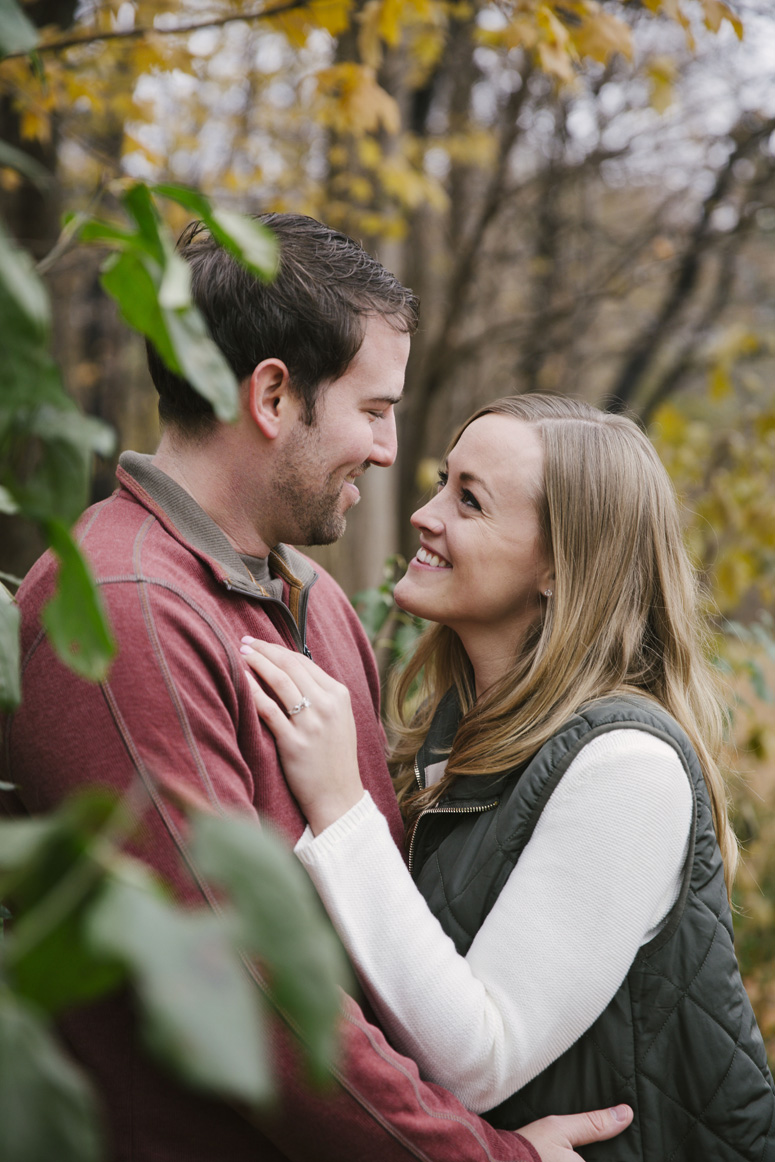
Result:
205,472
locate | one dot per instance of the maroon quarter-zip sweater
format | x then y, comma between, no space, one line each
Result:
175,716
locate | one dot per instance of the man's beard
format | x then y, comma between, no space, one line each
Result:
310,514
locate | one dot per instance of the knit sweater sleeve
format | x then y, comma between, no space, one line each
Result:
600,872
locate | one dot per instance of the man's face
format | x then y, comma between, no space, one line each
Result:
354,427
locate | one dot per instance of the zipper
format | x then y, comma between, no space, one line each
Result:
442,811
297,640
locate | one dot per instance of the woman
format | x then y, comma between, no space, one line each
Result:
562,938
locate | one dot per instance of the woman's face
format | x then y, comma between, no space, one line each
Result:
480,568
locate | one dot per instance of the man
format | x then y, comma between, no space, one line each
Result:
191,553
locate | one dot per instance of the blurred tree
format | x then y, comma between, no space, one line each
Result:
440,132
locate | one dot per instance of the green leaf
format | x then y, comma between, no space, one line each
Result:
22,293
203,364
17,33
10,654
139,204
283,923
74,618
251,243
201,1013
25,164
7,503
51,876
72,427
47,1110
175,288
22,840
128,279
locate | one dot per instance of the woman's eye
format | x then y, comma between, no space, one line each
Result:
469,499
441,481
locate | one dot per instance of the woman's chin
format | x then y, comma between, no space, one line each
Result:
402,595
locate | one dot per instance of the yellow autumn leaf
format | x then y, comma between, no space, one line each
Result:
369,38
556,62
670,423
10,180
661,73
332,15
35,125
355,102
716,12
601,34
390,21
719,382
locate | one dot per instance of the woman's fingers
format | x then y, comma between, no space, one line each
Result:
276,678
270,712
295,665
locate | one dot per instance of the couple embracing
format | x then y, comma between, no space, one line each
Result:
542,926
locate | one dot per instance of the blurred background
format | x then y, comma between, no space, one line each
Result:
581,193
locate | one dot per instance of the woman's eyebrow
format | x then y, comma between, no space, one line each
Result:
472,478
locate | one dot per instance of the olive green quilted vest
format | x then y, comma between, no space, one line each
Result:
678,1042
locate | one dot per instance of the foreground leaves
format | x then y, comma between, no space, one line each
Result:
105,920
47,1110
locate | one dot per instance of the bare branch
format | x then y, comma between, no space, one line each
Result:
144,30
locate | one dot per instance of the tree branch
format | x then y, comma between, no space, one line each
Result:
144,30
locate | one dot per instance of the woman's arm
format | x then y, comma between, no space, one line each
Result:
600,872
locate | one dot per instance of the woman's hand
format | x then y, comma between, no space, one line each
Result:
315,733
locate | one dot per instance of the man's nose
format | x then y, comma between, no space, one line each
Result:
385,446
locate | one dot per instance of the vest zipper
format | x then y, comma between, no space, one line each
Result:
442,811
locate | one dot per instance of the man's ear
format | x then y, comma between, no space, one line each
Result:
269,397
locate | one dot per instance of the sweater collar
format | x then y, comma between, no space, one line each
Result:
189,523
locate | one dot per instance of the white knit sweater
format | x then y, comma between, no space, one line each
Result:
596,880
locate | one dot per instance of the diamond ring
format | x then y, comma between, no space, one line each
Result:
297,709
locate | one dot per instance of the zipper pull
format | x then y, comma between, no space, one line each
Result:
307,654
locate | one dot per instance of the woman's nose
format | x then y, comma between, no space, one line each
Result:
428,517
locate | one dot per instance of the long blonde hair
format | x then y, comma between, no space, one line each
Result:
623,616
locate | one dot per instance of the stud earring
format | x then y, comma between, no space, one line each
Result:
547,592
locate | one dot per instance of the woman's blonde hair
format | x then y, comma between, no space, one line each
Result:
622,617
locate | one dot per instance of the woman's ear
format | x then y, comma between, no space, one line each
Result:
269,398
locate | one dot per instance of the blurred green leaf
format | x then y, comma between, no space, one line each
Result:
7,503
17,33
70,426
25,164
52,870
23,300
74,618
249,241
152,285
21,840
128,280
47,1111
10,656
201,1012
203,364
282,922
